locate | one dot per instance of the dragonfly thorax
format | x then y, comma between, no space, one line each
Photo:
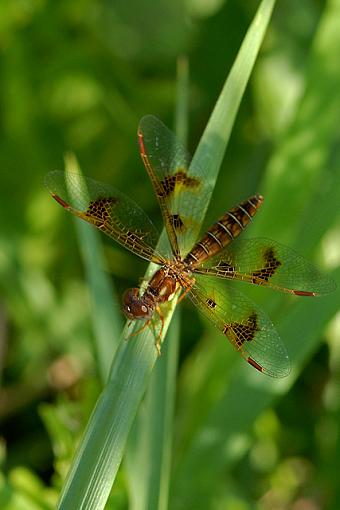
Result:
162,287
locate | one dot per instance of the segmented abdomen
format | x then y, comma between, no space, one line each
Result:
224,231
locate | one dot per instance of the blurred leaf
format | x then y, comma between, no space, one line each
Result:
297,182
297,170
25,491
223,437
106,321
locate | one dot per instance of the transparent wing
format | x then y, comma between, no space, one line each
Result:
247,328
109,210
268,263
181,189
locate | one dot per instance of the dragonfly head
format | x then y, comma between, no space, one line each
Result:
136,306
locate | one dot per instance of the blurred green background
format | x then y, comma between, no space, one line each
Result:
77,76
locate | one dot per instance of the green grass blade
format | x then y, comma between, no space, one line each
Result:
106,319
100,453
210,151
148,459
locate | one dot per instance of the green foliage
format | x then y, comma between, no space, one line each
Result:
77,76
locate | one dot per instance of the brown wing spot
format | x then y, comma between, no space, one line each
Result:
253,363
210,302
180,178
271,263
101,208
177,223
242,332
224,267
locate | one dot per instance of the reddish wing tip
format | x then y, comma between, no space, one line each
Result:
253,363
304,293
141,141
60,201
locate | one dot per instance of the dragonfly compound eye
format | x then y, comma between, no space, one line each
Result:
135,306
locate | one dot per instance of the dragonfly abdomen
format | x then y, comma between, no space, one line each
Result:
225,230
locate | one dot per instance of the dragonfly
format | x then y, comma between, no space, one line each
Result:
206,270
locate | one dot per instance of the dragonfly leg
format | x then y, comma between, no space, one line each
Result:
150,323
185,292
147,323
